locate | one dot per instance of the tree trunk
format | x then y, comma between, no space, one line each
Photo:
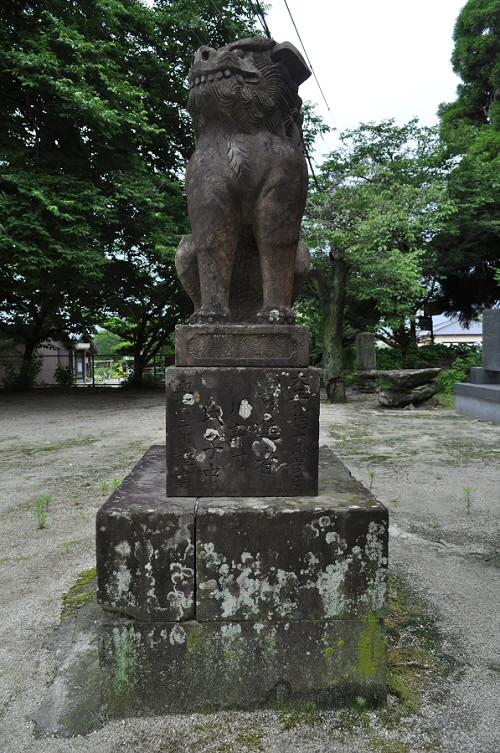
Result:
333,353
29,368
139,365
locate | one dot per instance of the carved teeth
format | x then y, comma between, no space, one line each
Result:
197,81
210,77
203,79
227,73
219,75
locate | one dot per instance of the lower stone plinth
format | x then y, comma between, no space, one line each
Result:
242,431
242,558
193,666
240,602
111,667
478,401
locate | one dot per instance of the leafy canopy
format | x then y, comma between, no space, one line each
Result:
382,198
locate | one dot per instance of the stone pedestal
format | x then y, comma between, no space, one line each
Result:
241,601
481,398
248,583
242,431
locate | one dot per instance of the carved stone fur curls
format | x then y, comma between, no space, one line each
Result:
251,84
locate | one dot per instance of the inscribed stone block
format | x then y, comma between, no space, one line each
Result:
242,431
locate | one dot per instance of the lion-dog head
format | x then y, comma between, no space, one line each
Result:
249,85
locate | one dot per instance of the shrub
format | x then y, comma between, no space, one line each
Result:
459,371
427,356
64,376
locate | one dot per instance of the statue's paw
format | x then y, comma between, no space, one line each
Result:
276,315
210,315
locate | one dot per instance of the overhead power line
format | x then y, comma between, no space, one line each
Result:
306,55
262,18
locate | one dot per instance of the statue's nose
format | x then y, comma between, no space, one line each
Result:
204,54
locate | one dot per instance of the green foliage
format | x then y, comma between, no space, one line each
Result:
425,356
459,371
41,505
24,375
468,498
467,249
296,713
80,593
93,138
381,200
64,376
106,342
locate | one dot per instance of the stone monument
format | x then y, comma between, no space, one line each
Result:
366,362
246,582
481,398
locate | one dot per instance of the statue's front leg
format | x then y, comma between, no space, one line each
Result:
277,237
216,228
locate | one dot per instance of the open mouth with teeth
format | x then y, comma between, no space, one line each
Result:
208,77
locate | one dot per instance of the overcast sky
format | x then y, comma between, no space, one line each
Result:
374,59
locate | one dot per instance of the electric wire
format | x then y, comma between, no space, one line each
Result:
306,55
262,18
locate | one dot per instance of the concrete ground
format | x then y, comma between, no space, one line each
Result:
438,473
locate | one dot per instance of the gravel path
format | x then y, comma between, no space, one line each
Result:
429,466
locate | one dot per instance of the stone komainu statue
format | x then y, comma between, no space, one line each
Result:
246,183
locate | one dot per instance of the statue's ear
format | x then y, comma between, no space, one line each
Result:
293,61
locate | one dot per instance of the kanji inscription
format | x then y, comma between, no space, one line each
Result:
242,431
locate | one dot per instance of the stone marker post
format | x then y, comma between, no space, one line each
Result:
481,398
248,583
366,362
366,356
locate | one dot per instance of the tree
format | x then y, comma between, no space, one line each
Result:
467,249
147,323
381,199
93,135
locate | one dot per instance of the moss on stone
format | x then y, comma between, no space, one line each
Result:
81,592
194,639
371,650
126,663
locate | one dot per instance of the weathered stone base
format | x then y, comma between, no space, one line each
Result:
196,666
478,401
242,431
112,667
240,602
252,559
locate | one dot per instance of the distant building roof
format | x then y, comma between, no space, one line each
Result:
444,325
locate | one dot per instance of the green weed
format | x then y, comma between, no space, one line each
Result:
468,498
42,509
